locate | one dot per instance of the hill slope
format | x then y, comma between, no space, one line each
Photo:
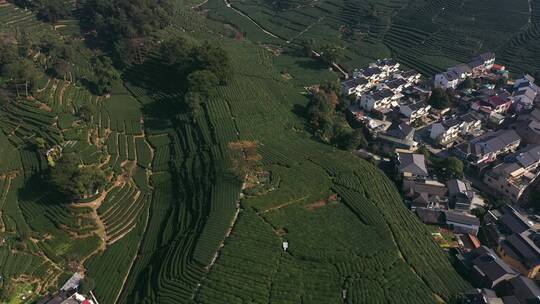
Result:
154,235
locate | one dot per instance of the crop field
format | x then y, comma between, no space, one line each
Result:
425,35
171,226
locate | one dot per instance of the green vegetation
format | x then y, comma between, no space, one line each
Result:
192,116
440,99
74,180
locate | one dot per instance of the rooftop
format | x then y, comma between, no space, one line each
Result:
412,163
461,218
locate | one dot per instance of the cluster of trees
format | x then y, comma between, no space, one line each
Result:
75,180
441,99
48,10
329,52
124,25
16,68
245,158
202,67
328,122
444,167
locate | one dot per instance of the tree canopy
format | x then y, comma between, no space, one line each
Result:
331,53
440,99
330,125
75,180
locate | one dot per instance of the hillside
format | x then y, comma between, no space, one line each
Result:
153,235
425,35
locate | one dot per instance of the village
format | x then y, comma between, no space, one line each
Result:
465,149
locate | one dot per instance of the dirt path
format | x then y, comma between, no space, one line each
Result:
229,5
283,205
134,256
3,198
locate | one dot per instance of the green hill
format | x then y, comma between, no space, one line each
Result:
162,232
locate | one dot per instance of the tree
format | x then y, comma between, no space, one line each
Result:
202,82
439,99
60,67
454,166
307,46
321,114
4,97
74,180
6,290
22,71
176,52
467,84
52,10
106,74
193,102
245,158
85,113
212,58
86,285
347,138
331,53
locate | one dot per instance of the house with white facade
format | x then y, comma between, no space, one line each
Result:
379,100
482,63
486,148
414,110
396,85
388,65
447,131
356,86
447,80
410,76
512,177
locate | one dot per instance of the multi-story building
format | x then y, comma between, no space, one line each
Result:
414,110
379,100
513,177
486,148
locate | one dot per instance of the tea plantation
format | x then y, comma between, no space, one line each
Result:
171,225
425,35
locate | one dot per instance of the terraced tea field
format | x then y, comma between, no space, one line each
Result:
171,226
425,35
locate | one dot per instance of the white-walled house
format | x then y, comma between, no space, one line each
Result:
447,80
512,178
461,70
356,86
395,85
378,100
414,110
410,76
388,65
446,131
524,98
481,63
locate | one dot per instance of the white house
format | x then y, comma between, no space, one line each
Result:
461,70
356,86
524,98
447,80
410,76
378,100
446,131
373,74
395,85
512,178
482,63
388,65
414,110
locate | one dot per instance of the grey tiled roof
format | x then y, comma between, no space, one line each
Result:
413,163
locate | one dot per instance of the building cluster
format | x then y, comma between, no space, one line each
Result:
69,294
447,203
506,274
492,125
